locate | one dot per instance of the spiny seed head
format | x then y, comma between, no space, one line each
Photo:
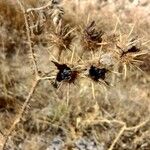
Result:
92,37
97,73
63,37
92,34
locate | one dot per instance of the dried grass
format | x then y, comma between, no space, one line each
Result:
33,112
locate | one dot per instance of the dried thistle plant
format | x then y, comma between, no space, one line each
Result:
87,108
62,38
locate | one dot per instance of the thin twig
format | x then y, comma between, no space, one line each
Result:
68,94
93,90
131,30
117,137
125,71
48,78
117,23
137,126
123,129
72,56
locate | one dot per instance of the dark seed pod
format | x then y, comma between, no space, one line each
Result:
65,73
97,73
133,49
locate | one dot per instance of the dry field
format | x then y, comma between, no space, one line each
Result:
74,75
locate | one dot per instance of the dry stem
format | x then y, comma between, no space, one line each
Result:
29,38
35,84
19,116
